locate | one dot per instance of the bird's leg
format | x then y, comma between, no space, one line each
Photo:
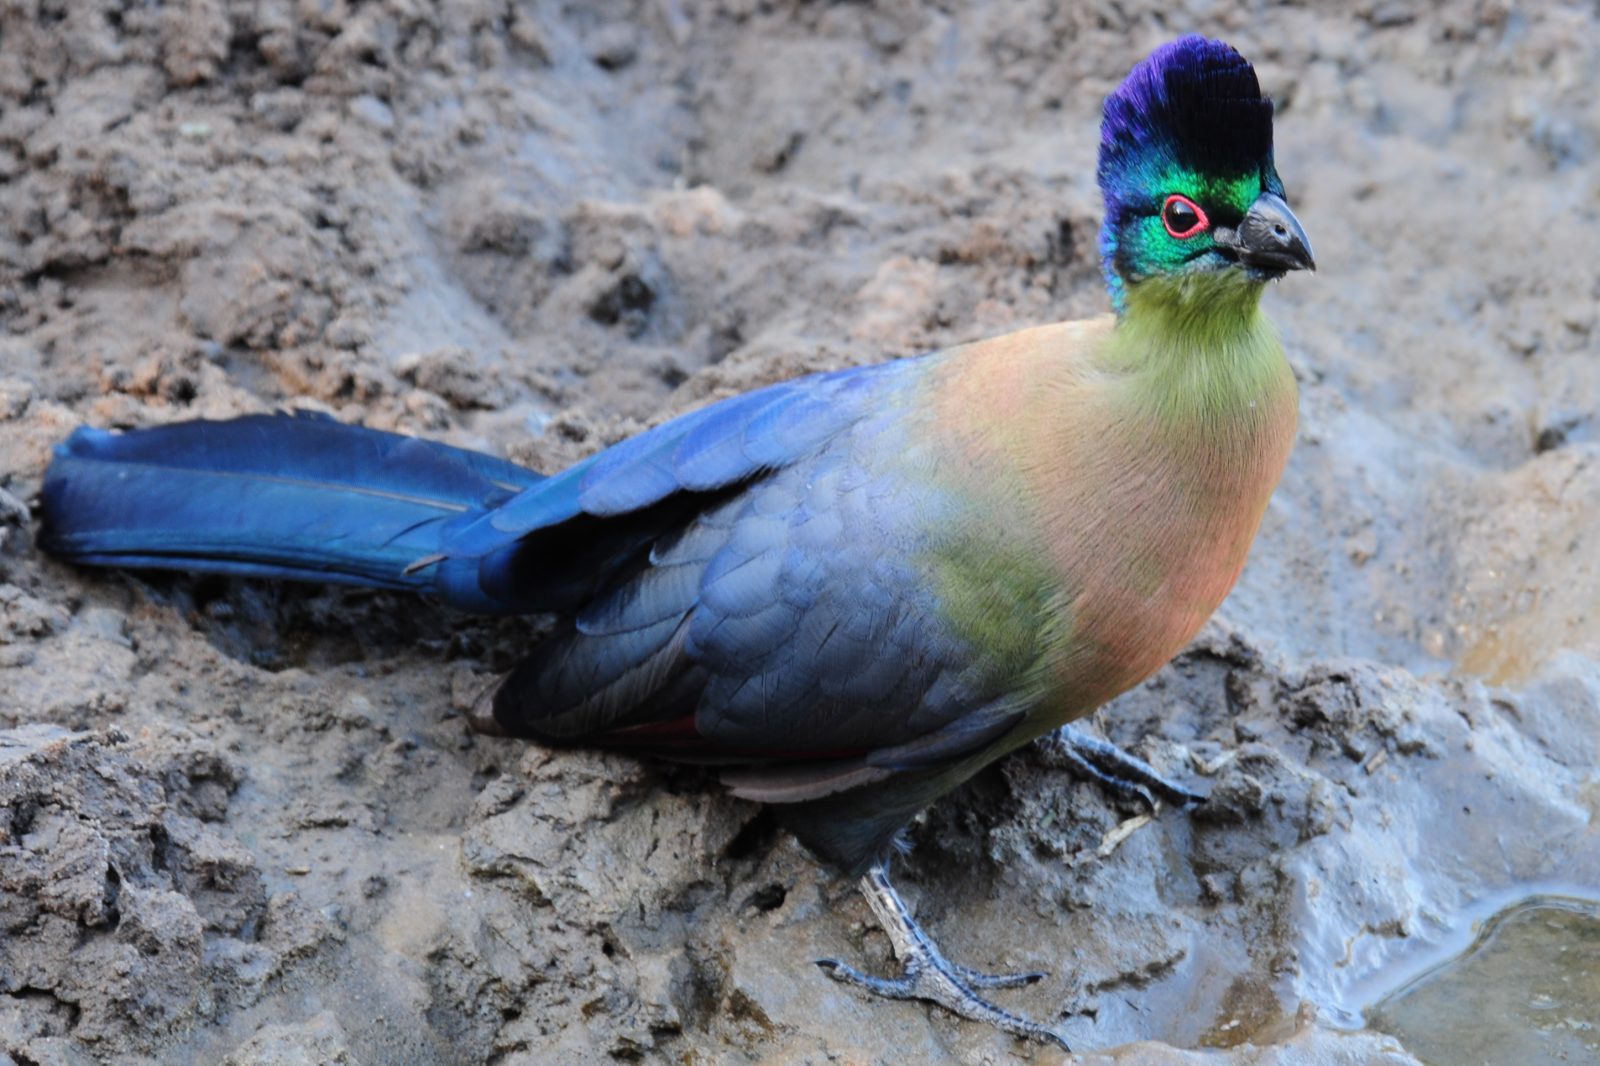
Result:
1116,770
928,975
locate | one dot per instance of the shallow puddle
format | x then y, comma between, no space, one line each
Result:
1526,992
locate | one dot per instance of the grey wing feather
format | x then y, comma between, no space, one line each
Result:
794,620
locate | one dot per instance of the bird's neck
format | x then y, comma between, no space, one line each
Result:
1196,350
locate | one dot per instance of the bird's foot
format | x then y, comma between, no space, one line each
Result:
929,975
1116,770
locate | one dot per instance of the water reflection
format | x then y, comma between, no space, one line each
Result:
1526,992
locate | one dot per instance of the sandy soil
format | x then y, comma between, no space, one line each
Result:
247,823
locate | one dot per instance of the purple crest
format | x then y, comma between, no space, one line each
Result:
1192,103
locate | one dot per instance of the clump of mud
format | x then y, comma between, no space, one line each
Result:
247,823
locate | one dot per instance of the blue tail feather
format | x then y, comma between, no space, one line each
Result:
277,496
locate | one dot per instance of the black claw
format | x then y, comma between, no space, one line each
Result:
979,979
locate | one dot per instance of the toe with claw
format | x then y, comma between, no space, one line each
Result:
929,976
1115,770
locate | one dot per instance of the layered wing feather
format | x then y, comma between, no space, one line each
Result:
794,619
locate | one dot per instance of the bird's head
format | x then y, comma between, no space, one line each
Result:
1191,191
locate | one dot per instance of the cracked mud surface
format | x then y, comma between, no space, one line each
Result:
246,823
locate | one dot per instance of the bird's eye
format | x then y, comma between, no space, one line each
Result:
1183,217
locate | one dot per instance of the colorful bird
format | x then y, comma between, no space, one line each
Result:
854,590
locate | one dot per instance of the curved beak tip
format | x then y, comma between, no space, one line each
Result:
1272,238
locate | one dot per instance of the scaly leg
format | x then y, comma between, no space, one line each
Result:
1116,770
928,975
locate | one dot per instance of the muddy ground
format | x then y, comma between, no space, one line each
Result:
247,823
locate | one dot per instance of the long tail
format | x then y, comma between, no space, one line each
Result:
278,496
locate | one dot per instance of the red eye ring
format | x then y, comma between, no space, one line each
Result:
1188,214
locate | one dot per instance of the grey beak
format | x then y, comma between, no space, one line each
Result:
1270,238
